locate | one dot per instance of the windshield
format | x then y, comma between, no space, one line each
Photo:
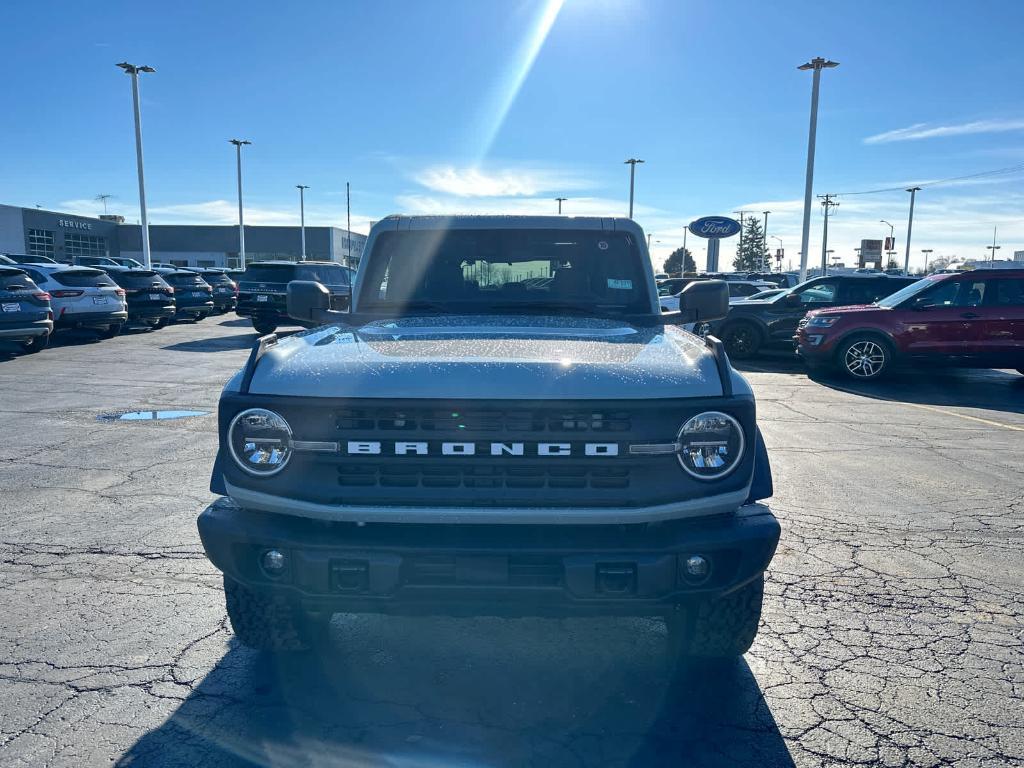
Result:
82,278
494,269
139,279
184,279
328,274
908,291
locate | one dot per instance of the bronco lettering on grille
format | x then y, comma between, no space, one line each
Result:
424,448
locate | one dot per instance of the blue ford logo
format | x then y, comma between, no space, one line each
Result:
715,226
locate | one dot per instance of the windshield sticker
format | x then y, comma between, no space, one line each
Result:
620,285
602,245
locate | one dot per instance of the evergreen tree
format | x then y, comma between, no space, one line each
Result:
751,253
680,260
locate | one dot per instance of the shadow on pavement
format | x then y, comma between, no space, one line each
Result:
215,344
469,692
238,322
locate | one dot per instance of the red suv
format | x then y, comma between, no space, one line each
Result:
969,319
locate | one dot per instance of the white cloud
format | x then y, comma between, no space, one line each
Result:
474,182
920,131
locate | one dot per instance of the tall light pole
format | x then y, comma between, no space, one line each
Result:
241,222
134,70
993,247
764,237
816,64
927,252
560,200
910,228
348,222
632,163
302,216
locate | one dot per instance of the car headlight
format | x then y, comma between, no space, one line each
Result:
260,441
710,445
825,321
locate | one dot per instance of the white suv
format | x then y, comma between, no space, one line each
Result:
81,297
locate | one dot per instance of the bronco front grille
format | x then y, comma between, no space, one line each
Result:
467,475
455,421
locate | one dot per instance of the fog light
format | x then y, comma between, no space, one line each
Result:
273,562
696,568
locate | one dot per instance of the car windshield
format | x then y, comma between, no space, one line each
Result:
82,278
139,279
217,278
184,279
15,280
328,274
483,270
909,291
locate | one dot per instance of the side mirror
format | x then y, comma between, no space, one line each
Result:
704,300
309,303
792,299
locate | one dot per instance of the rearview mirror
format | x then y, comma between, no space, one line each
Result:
704,300
309,303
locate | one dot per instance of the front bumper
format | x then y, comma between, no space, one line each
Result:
466,569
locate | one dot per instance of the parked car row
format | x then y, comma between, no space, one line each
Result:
866,324
39,296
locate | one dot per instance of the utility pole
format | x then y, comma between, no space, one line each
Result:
910,228
134,70
892,242
827,203
241,222
648,242
562,200
927,252
816,64
348,222
632,163
993,247
764,241
302,217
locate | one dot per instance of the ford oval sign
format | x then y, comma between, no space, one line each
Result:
715,226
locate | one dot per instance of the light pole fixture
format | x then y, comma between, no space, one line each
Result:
927,252
816,65
632,163
134,70
241,225
302,216
993,247
910,228
560,200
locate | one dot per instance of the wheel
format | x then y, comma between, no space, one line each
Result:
741,339
36,343
111,331
864,357
717,629
263,327
266,622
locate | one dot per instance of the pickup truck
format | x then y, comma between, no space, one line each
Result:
504,423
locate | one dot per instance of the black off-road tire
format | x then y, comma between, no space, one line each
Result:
742,339
266,622
717,629
36,344
263,327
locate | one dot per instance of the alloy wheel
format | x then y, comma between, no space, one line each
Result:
864,359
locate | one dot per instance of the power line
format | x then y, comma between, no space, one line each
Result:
902,188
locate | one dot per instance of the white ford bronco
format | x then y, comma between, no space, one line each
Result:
504,423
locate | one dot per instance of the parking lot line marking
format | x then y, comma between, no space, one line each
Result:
932,408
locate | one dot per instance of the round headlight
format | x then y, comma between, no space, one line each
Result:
710,445
260,441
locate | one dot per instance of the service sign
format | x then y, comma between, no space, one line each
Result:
715,226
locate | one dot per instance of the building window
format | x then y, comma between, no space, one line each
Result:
40,242
84,245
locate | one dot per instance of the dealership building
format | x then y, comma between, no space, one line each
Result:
62,236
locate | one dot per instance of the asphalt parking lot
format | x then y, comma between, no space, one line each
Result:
892,632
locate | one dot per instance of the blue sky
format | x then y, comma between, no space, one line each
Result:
473,106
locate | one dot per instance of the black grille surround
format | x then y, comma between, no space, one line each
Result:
484,480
